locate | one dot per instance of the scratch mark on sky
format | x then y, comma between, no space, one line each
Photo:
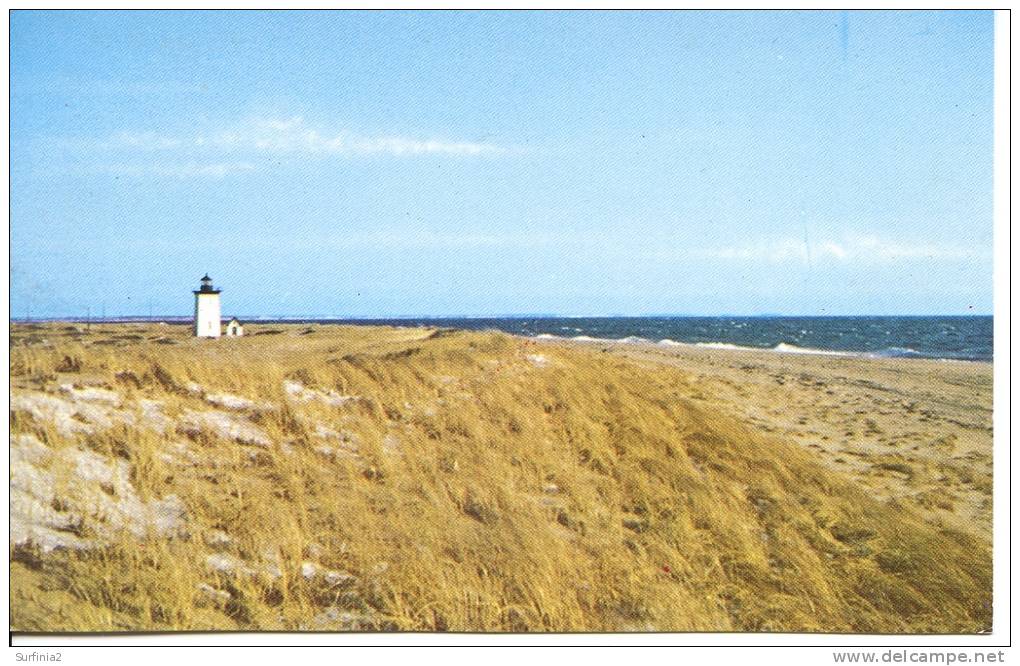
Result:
844,32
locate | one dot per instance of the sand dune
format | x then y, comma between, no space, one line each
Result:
914,430
357,478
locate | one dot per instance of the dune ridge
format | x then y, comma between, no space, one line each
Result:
356,478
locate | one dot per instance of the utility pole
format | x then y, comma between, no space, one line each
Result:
88,319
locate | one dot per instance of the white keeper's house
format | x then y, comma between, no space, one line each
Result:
234,328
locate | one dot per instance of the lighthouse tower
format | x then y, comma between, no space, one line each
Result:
207,310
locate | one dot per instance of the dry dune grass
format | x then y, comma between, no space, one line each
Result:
388,479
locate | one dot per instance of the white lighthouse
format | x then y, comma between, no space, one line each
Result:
207,310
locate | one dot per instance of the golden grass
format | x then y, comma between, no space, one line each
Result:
478,483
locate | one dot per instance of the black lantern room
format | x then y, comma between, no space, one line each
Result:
207,286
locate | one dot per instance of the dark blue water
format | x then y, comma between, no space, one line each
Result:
961,338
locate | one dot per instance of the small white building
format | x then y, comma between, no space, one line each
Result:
207,310
234,328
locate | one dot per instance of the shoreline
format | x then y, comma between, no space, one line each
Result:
781,348
912,430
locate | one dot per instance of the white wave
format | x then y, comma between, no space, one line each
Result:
786,348
896,352
782,347
794,349
632,339
726,345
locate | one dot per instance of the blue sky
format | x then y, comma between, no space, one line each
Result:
399,163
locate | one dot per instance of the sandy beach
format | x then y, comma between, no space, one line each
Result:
912,430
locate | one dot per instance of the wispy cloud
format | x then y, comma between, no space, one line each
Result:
250,145
853,249
181,170
424,239
295,136
848,251
139,140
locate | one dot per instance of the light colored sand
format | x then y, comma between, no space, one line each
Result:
58,494
912,430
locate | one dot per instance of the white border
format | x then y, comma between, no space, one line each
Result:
99,649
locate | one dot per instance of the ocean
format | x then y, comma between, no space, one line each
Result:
942,337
